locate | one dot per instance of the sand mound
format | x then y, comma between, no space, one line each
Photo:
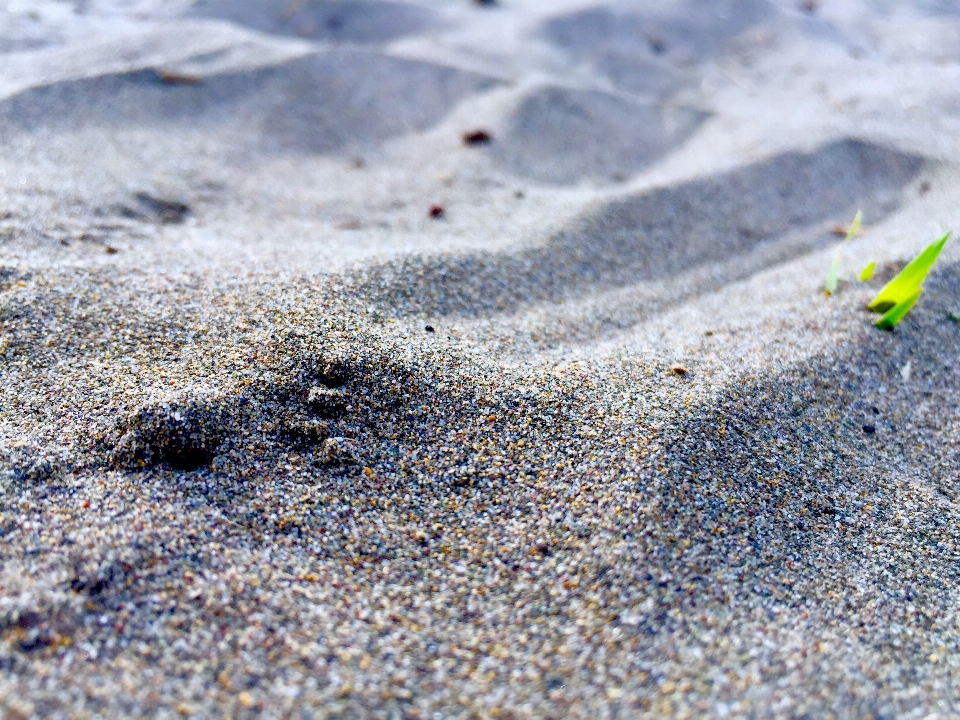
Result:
327,102
565,135
653,53
789,202
561,135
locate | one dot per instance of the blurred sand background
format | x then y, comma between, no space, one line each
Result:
432,359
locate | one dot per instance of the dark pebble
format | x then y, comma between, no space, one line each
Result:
477,137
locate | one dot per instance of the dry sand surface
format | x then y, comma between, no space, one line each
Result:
432,359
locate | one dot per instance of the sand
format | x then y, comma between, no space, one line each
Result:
437,359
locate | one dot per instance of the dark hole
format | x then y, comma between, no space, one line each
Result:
184,458
329,407
334,375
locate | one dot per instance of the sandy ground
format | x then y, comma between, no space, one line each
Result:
438,360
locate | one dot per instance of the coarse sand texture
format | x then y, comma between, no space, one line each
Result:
443,359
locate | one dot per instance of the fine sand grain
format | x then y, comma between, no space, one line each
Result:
443,359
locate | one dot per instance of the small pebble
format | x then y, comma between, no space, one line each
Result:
477,137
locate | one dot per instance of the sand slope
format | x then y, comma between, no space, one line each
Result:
277,440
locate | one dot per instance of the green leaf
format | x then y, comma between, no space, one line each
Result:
833,277
898,311
905,285
867,272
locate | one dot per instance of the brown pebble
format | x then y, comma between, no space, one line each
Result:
477,137
224,680
679,370
170,77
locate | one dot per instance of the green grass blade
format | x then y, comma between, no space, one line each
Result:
854,226
867,272
833,277
905,284
899,311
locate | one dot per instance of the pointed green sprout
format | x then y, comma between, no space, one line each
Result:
867,272
899,311
901,293
833,277
909,279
